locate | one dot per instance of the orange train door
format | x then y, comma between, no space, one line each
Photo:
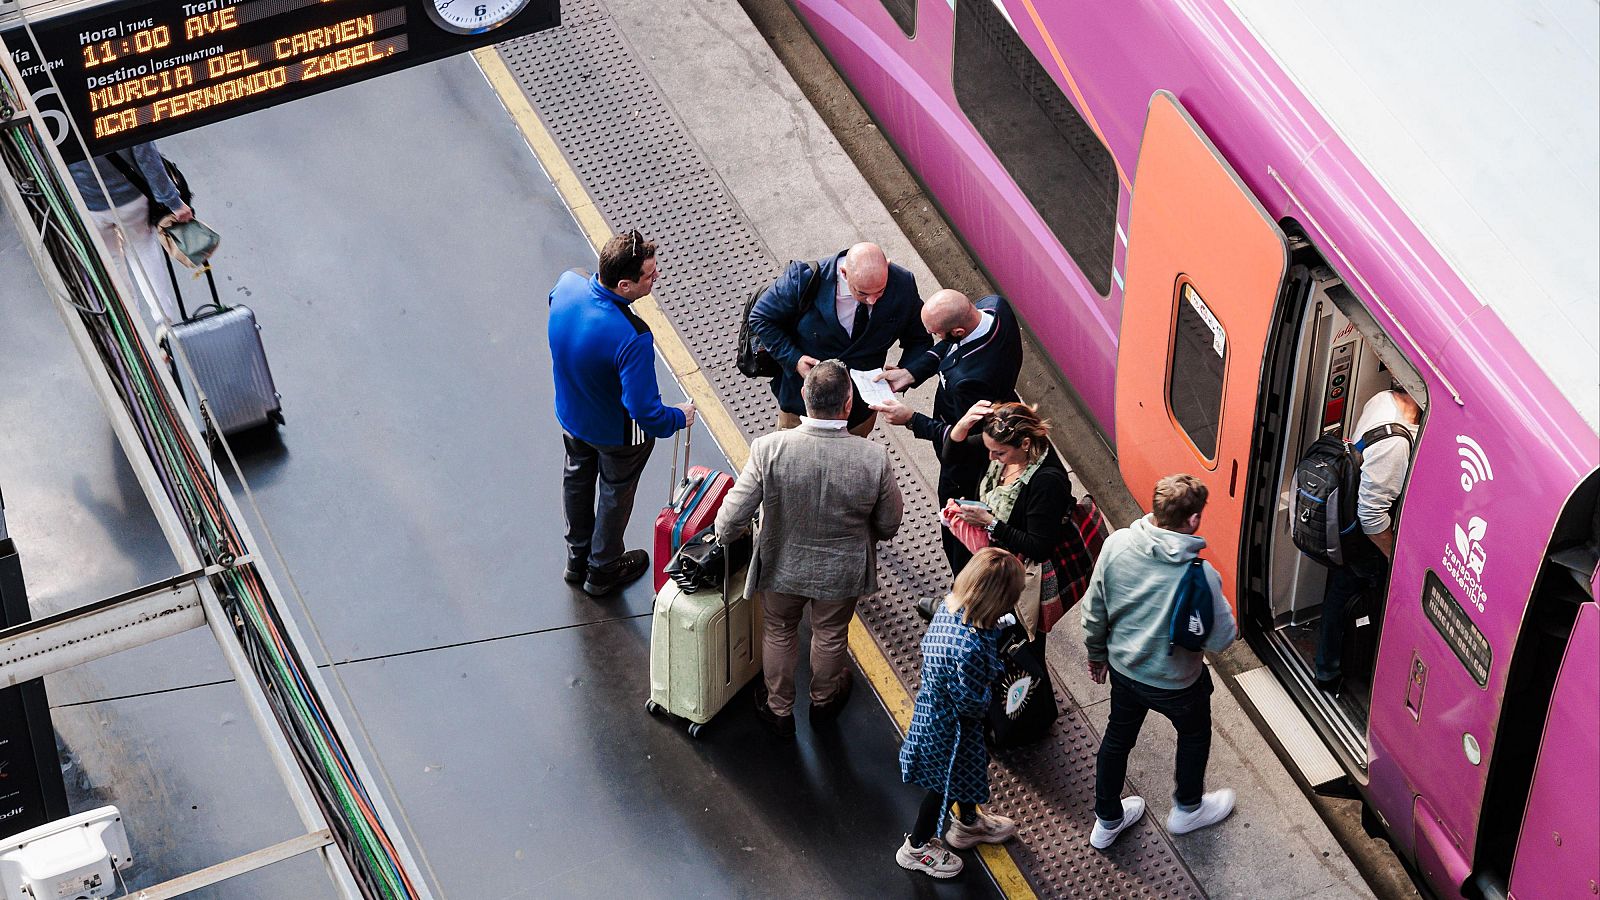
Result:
1205,262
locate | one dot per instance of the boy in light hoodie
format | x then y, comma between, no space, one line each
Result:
1126,615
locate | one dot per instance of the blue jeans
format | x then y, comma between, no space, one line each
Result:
1364,569
1189,710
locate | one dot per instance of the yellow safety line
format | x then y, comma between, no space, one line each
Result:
874,665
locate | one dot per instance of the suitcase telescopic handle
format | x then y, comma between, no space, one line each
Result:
686,435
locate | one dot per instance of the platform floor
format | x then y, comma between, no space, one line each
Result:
396,240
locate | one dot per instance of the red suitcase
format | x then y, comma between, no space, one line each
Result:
691,508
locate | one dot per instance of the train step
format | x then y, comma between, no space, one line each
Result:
1289,727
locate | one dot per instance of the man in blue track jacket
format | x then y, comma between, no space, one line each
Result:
609,407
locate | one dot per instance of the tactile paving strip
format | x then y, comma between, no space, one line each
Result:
585,81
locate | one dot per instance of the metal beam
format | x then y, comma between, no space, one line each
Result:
44,646
172,526
239,865
283,758
122,424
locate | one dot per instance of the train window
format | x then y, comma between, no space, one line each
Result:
1194,372
904,13
1037,134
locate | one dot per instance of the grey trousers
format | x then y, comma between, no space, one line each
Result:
830,653
597,488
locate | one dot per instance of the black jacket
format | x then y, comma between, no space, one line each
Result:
1042,514
985,369
790,327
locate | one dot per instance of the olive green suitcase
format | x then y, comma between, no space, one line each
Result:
704,648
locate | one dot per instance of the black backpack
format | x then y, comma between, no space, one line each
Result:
754,360
1323,496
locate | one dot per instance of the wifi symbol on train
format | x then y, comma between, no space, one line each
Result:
1474,462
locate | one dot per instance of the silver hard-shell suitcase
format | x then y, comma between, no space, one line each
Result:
222,345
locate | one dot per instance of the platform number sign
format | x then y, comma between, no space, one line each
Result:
130,71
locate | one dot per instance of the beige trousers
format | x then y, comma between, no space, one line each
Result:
790,420
830,635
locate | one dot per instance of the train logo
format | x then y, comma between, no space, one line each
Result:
1468,544
1465,560
1474,462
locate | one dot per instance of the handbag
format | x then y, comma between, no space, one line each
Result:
703,562
1079,549
190,243
971,536
1028,602
1022,705
753,359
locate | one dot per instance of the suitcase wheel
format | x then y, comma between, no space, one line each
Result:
652,707
696,729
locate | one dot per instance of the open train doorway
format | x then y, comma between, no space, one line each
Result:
1327,358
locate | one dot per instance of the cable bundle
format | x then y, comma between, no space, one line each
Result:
190,486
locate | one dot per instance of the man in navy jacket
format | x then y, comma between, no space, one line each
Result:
855,309
980,354
609,407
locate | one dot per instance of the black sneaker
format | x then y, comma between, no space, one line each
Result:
782,726
1331,685
926,606
622,571
576,571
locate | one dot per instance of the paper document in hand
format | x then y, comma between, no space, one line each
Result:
871,391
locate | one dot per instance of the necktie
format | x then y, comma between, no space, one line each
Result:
863,314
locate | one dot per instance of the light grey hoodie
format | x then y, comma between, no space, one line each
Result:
1128,606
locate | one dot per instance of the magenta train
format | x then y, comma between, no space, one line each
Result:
1230,222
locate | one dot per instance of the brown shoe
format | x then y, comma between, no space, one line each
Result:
827,712
781,726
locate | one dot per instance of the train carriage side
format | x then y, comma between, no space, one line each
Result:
1271,285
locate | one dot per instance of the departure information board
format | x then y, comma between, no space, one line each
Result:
133,71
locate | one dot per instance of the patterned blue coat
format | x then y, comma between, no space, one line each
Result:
944,750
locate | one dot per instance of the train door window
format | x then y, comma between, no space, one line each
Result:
1056,159
904,13
1195,369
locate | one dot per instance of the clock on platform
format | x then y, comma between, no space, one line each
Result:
473,16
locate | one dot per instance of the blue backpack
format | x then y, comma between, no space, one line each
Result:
1191,610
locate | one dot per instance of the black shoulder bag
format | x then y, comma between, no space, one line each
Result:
754,360
158,210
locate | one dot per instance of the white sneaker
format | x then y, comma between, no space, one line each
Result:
1214,807
1132,811
931,859
988,828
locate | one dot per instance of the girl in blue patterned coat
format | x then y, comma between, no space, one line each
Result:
944,752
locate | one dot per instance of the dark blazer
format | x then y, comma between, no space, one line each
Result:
1042,514
985,369
789,327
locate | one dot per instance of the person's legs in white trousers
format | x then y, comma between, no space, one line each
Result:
146,271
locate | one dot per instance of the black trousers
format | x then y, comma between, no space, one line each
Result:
960,472
597,488
1365,568
1189,710
932,809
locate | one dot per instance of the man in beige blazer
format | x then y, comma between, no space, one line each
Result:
826,498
